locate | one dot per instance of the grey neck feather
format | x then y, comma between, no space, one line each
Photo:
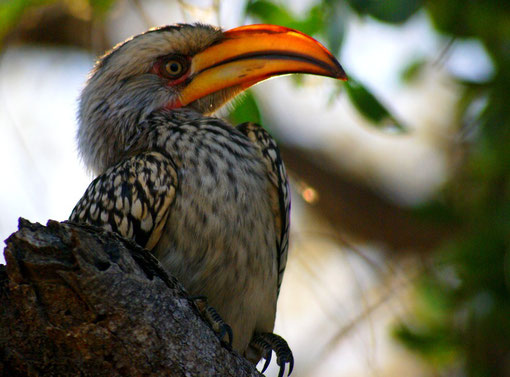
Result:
110,115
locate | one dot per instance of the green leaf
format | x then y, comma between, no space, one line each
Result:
335,15
245,110
436,344
394,11
314,23
101,7
369,106
412,70
271,13
436,211
12,11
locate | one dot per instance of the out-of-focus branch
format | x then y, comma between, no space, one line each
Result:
56,25
76,300
357,211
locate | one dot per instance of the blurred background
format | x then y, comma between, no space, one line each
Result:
400,247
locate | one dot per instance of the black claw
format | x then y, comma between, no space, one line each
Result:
212,317
291,364
226,329
268,342
282,370
268,360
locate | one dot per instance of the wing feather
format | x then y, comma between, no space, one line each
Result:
133,198
280,193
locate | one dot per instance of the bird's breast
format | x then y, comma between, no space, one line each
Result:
220,237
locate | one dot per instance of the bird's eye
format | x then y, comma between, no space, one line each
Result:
173,67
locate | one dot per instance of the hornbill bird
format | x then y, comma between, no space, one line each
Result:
211,201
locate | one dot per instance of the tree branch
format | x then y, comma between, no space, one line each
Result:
358,211
76,300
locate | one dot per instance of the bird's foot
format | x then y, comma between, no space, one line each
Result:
265,343
212,317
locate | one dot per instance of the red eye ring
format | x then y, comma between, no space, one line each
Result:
172,67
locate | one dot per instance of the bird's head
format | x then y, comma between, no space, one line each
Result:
198,67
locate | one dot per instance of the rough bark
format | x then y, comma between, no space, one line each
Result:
76,300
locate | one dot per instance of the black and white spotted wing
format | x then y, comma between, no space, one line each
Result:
132,198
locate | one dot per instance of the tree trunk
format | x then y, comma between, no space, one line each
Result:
76,300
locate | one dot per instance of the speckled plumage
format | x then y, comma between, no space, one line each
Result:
217,204
210,200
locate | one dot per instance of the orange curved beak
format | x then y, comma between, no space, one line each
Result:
249,54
